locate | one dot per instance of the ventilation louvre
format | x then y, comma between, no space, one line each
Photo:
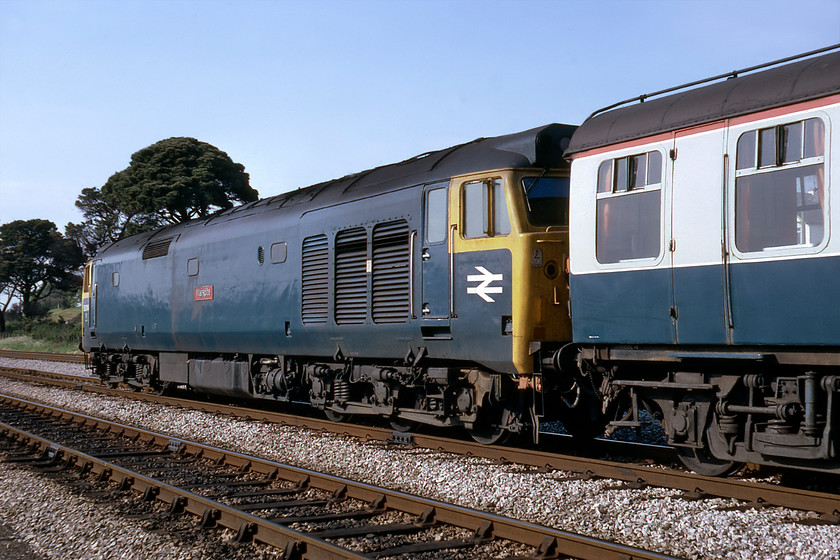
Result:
157,248
315,280
391,284
351,289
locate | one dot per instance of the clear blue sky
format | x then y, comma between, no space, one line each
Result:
304,91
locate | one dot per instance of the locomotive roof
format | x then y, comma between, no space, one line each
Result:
540,147
807,79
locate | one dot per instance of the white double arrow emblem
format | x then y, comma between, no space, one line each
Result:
484,288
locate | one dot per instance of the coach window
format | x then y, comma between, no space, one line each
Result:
485,210
780,187
628,208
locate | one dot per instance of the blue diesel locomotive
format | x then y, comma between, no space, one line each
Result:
424,291
704,271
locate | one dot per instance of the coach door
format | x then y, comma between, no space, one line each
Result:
436,300
778,202
696,235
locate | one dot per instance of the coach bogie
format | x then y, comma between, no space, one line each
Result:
718,420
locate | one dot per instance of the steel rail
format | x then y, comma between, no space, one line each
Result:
696,486
185,501
46,356
548,541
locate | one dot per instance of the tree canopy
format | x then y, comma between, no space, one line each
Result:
169,182
35,260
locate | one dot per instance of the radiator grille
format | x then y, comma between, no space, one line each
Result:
315,280
351,289
390,272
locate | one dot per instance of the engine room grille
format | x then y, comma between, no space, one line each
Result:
351,290
315,280
391,284
157,248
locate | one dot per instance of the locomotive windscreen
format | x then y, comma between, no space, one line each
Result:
547,200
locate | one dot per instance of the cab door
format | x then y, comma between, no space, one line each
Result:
481,297
89,297
436,262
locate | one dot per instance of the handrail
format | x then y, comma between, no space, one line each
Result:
452,229
411,239
733,74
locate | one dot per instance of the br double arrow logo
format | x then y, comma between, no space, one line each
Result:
485,278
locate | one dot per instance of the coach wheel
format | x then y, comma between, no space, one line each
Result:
163,388
703,462
334,416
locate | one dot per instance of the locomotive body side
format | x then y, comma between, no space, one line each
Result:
703,266
418,291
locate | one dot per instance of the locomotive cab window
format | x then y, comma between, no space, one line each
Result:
547,200
436,215
484,209
628,208
780,187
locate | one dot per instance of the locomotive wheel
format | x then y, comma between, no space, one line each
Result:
488,429
400,425
703,462
334,416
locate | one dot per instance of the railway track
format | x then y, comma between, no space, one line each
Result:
752,494
306,514
46,356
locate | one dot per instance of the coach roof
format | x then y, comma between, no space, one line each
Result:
804,80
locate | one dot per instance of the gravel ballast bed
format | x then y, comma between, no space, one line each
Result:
655,519
65,368
59,524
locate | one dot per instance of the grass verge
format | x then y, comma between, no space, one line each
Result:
24,343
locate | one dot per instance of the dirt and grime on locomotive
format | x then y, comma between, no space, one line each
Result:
422,291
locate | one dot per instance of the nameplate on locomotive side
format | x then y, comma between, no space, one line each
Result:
204,293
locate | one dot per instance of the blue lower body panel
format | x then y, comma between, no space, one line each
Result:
622,307
794,302
783,302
